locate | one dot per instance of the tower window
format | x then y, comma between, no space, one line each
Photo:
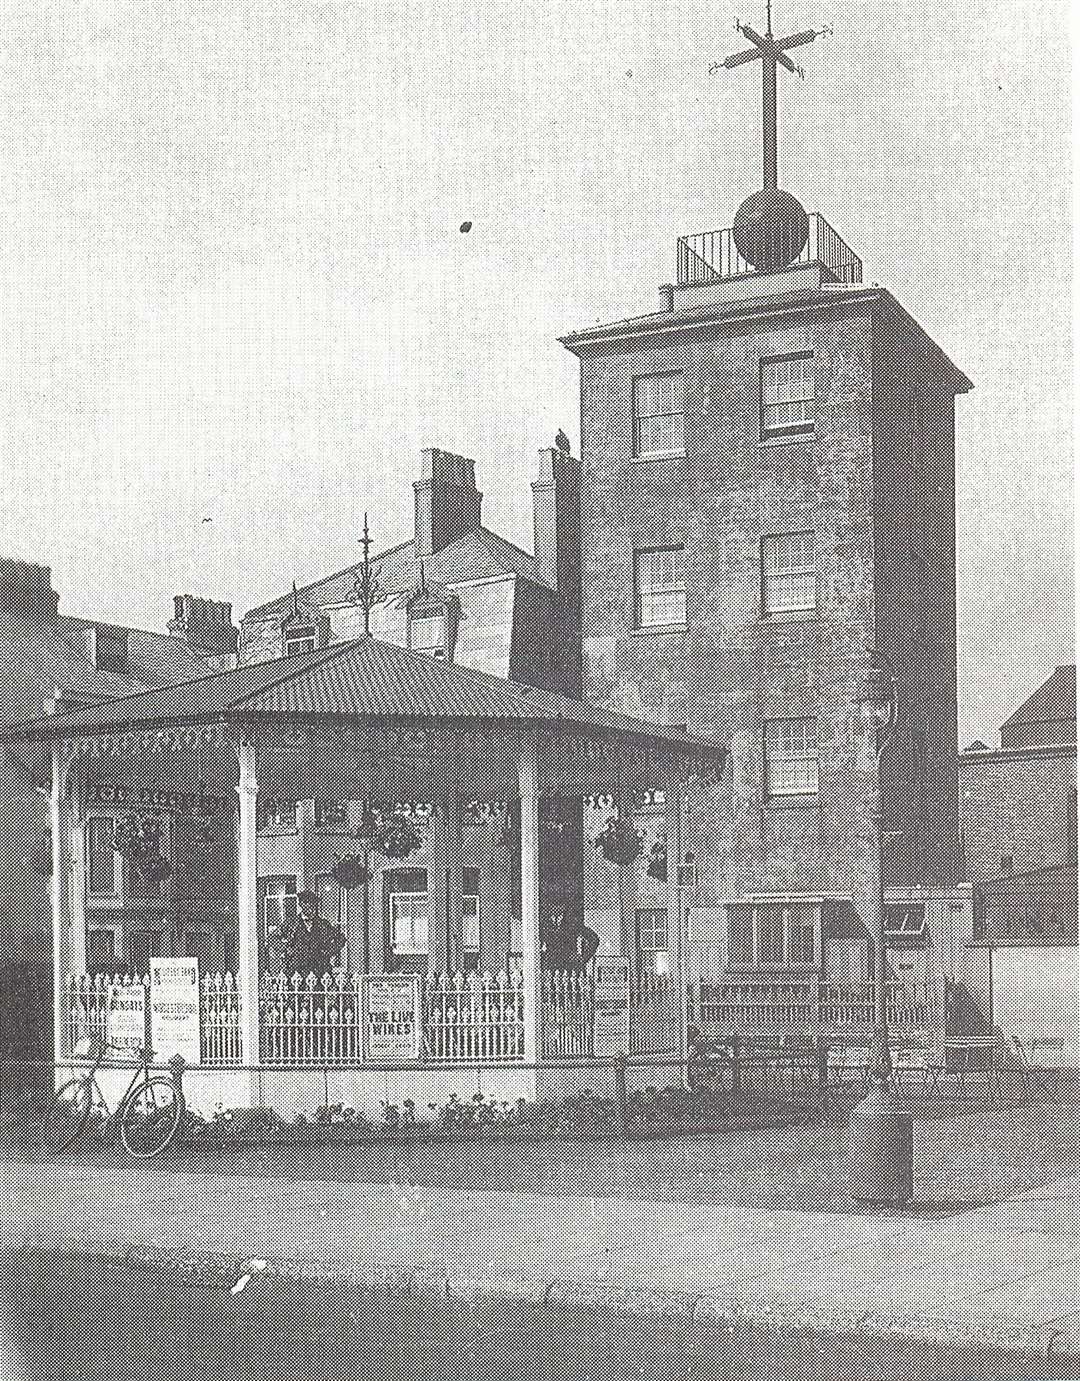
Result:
791,758
787,396
788,573
660,587
658,414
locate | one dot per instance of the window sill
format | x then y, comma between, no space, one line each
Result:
659,628
657,455
277,831
790,616
805,802
792,439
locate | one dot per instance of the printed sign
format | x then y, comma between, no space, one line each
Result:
611,1007
189,802
174,1009
125,1027
391,1018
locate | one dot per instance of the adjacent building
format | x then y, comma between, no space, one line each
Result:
54,661
1018,822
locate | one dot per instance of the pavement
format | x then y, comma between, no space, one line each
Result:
1004,1274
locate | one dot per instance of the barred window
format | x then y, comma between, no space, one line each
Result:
772,935
787,395
791,758
660,587
788,573
658,414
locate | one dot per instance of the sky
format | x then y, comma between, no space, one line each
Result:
233,284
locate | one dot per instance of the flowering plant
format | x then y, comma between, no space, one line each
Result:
620,841
392,834
137,838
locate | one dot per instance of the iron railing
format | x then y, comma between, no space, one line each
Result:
712,256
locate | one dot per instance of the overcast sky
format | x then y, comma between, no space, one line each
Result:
232,283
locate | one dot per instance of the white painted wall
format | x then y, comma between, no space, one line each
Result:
1037,1002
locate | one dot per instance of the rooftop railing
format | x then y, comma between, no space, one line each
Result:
712,256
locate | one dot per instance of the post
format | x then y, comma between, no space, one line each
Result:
673,809
881,1062
529,792
768,122
58,893
247,904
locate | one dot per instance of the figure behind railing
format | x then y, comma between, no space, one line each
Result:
314,944
567,944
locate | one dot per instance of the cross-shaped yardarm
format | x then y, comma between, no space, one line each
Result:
771,52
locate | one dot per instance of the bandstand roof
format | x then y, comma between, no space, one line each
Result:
373,685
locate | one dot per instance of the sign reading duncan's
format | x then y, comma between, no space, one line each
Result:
611,1007
126,1020
391,1018
174,1009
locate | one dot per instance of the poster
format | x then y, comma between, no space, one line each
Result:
391,1018
174,1009
126,1021
611,1009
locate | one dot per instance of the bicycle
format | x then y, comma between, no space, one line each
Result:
149,1113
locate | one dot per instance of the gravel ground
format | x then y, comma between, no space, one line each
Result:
970,1157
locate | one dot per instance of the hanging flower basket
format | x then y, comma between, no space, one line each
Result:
369,827
620,842
657,866
398,837
350,872
137,838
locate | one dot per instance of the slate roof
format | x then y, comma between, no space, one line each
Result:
365,679
40,656
478,555
1054,700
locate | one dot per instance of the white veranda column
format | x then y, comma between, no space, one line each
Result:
673,794
247,905
60,941
529,791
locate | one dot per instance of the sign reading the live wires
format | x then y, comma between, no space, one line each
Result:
174,1009
391,1018
611,1007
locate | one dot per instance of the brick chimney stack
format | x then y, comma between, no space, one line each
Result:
447,501
205,625
557,521
26,591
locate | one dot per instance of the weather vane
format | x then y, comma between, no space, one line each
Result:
771,224
366,588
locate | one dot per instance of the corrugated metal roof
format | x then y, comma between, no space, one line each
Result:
366,679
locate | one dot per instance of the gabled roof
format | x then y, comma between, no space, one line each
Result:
1054,700
38,657
362,680
478,555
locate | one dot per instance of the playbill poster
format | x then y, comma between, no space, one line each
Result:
537,654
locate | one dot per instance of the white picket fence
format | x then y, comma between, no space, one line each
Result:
317,1019
117,1012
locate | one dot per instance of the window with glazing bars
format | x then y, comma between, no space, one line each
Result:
772,935
652,930
660,587
470,910
299,640
787,395
407,901
791,758
658,414
788,573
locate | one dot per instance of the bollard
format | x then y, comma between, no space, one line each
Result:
881,1167
620,1093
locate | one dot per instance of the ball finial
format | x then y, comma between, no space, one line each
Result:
771,229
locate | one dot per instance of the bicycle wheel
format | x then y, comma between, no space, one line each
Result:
67,1114
151,1116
